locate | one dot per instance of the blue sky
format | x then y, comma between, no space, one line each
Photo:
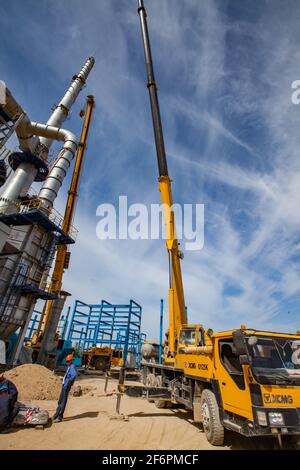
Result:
224,71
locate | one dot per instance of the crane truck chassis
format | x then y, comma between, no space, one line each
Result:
244,380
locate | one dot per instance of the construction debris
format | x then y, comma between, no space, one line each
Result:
35,382
77,392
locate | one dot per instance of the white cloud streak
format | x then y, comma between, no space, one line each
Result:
250,185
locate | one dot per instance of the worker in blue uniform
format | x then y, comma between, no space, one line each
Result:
8,400
68,381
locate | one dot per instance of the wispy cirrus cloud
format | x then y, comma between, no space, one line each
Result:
224,71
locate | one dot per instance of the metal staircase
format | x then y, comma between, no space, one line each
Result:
11,297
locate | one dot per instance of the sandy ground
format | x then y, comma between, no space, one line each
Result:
89,423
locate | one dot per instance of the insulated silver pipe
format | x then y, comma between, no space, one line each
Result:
26,173
21,178
63,108
51,186
26,140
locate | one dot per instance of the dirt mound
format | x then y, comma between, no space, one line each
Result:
35,382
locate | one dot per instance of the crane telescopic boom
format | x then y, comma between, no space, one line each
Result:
177,311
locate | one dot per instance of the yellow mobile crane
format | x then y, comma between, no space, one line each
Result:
62,254
243,380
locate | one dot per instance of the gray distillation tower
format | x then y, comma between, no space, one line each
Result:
30,229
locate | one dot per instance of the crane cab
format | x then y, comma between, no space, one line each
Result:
190,335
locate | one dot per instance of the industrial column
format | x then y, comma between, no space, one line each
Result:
29,226
53,308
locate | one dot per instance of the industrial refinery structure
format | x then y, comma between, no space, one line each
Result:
242,380
31,230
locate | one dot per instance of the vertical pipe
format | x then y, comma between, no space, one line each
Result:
47,343
26,173
62,110
60,325
55,178
83,337
126,342
33,322
20,341
69,337
22,177
41,321
98,326
113,323
123,368
171,339
89,330
138,339
66,323
161,330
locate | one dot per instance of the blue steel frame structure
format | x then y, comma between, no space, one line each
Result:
115,325
33,324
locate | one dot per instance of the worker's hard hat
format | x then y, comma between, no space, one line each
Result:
295,344
69,358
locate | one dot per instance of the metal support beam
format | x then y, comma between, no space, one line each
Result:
21,337
161,331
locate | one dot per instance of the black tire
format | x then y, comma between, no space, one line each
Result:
211,418
101,363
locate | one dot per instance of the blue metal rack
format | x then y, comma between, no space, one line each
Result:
106,324
33,324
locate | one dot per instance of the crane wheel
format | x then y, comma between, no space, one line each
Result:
211,419
101,363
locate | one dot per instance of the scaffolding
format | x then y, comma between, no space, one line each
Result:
31,212
117,326
26,261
